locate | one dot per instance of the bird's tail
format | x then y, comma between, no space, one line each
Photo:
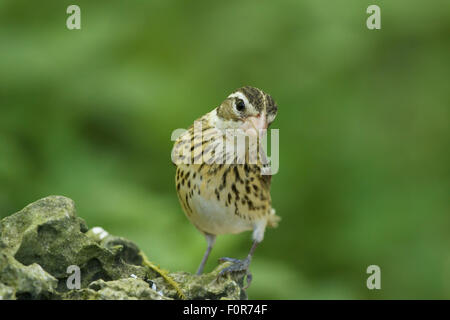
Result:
273,219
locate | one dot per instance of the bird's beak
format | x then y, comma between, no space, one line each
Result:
257,123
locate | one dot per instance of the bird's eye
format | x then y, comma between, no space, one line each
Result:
240,105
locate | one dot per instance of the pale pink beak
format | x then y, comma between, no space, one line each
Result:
259,122
255,124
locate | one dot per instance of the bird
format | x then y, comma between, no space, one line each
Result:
223,185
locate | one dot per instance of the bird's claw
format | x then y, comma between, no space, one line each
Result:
233,260
237,266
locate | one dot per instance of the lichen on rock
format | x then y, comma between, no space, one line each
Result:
206,286
27,282
39,243
122,289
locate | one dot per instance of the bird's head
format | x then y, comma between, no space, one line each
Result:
247,108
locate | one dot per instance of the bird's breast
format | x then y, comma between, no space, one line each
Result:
213,216
220,199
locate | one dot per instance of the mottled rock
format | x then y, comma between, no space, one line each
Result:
28,282
123,248
40,242
7,293
205,286
122,289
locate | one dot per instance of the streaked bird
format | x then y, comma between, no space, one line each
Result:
221,188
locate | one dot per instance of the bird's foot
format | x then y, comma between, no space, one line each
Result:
237,266
163,274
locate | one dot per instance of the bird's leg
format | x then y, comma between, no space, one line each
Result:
240,265
211,239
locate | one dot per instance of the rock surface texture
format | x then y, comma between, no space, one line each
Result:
43,246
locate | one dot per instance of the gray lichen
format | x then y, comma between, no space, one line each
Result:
39,243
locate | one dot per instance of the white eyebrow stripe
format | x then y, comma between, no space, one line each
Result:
239,95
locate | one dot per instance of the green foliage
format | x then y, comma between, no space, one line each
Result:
363,119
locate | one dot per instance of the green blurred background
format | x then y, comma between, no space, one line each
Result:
363,119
